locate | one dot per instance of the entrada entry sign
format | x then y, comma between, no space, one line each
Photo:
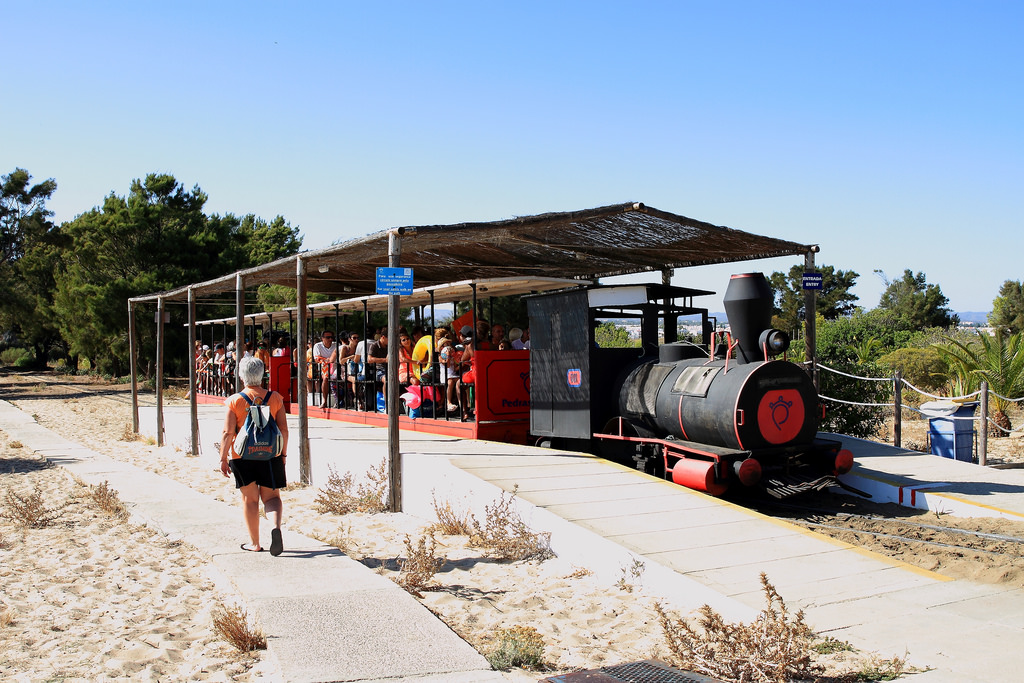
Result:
394,281
813,281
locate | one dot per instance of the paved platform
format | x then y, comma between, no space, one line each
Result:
928,482
696,549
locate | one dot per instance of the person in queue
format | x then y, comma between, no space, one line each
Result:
256,480
497,335
281,349
263,353
325,355
483,335
377,360
468,374
523,343
405,362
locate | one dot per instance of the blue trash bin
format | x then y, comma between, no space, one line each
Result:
951,429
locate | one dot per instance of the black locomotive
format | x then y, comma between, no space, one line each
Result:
704,413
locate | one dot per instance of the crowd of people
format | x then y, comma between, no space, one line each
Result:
351,372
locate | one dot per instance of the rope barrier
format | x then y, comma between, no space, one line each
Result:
1011,400
854,403
948,398
933,416
1003,429
868,379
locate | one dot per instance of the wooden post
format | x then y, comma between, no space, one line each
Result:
193,403
983,436
394,451
239,327
133,363
160,371
810,321
897,416
300,360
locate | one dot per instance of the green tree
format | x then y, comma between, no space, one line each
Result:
29,244
156,238
833,301
849,345
997,359
1008,307
23,213
916,303
608,335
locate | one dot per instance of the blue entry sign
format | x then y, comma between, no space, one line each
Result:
394,281
813,281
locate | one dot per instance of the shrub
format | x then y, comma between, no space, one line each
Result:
506,536
30,510
518,646
449,521
773,648
922,367
106,499
338,498
232,624
13,356
416,571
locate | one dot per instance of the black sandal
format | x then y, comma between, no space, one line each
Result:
248,548
276,543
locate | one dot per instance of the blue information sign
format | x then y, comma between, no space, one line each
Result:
813,281
394,281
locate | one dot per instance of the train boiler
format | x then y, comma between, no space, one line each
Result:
707,414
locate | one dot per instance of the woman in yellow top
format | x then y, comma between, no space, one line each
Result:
256,479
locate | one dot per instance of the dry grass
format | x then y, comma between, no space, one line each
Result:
579,573
520,646
107,499
233,625
338,498
449,521
631,575
506,536
30,510
129,434
341,539
416,571
774,648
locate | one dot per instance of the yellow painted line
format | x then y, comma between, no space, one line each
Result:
966,501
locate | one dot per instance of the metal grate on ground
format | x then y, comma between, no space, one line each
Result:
649,671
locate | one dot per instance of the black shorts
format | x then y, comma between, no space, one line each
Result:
266,473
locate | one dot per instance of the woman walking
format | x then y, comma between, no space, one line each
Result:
256,479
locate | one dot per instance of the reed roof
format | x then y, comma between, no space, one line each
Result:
577,245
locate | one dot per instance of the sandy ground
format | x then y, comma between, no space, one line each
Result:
144,609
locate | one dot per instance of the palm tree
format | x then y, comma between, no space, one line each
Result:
997,359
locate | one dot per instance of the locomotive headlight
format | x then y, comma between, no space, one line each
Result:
773,342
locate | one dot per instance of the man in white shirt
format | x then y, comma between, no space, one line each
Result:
325,354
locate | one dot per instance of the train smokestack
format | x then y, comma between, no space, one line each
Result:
748,304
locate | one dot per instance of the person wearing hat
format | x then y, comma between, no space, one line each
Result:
469,376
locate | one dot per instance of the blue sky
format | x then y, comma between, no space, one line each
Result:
890,133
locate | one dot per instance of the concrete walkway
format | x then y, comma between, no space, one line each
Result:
327,617
696,549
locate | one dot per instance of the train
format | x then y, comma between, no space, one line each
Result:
722,412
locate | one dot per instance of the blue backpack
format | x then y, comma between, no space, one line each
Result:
259,438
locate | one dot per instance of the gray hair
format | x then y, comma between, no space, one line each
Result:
515,334
250,371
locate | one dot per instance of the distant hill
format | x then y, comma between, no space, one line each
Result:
979,317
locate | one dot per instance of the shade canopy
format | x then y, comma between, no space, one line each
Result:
577,245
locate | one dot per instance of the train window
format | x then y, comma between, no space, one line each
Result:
695,380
